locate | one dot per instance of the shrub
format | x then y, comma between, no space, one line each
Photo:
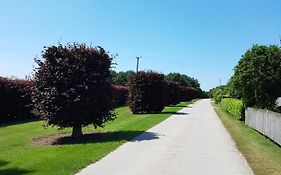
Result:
189,93
218,95
120,95
146,92
214,90
72,87
234,107
172,93
15,100
192,93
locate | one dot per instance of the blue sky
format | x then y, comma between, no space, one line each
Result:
203,39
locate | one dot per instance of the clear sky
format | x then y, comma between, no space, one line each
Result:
201,38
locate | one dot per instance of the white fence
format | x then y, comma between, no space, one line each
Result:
266,122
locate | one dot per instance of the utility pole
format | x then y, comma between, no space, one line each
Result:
220,82
138,61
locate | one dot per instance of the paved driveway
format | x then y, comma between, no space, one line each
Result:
194,141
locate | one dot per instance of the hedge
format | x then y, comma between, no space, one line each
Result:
120,95
146,92
172,93
189,93
234,107
15,100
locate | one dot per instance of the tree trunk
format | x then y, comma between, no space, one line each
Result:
77,131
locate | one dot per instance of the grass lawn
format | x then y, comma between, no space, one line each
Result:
18,155
262,154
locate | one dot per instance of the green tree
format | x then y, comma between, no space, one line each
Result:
257,77
121,78
183,80
213,90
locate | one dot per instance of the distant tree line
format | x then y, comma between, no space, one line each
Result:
122,77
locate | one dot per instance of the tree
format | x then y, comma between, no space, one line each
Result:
213,90
219,92
257,77
183,80
121,78
72,87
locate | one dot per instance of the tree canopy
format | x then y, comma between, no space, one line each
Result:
257,77
183,80
121,78
72,87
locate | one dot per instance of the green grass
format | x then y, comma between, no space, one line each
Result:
19,156
262,154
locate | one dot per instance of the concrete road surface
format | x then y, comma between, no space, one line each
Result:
193,141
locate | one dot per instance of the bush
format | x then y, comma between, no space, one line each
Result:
15,100
192,93
189,93
214,90
172,93
72,87
146,92
218,95
234,107
120,95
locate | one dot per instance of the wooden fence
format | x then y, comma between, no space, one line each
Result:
266,122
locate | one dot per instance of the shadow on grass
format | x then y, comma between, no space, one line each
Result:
133,136
14,171
11,171
3,163
19,122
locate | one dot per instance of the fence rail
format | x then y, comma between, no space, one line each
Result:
266,122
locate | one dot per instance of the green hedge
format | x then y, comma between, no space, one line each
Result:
234,107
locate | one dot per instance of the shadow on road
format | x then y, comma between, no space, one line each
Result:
146,136
181,106
175,113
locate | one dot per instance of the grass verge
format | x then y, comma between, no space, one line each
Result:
262,154
19,156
